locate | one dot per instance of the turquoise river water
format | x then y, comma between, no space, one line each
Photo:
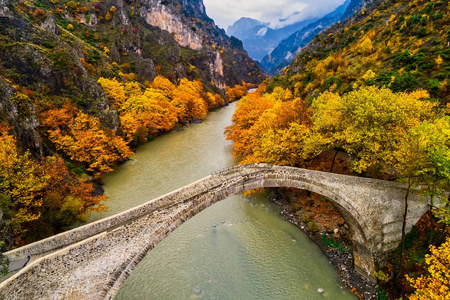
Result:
240,248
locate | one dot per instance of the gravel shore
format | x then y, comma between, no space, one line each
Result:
342,261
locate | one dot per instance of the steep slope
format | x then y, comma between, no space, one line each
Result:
59,50
402,45
285,52
259,38
81,83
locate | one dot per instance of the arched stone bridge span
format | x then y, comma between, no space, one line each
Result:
92,261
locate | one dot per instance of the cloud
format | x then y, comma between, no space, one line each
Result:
226,12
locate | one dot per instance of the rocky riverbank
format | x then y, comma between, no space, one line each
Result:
341,260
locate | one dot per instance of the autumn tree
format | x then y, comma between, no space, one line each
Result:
66,198
436,284
187,98
114,90
39,198
271,128
165,85
20,183
368,123
150,111
80,137
247,113
423,159
236,92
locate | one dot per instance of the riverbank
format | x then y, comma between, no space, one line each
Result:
341,260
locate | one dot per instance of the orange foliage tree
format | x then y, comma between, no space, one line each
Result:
270,128
80,137
159,107
237,92
187,98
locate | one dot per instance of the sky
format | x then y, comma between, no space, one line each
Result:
226,12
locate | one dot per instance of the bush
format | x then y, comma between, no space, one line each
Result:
305,218
432,87
405,82
329,82
3,263
39,15
73,6
313,226
441,76
48,44
421,33
438,16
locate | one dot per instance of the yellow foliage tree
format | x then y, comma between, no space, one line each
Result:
436,285
165,85
20,183
114,91
369,122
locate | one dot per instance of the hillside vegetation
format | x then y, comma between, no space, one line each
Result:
403,45
82,84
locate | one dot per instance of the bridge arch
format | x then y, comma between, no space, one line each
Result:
372,209
341,201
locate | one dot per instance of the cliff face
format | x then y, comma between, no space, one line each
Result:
168,18
191,28
57,51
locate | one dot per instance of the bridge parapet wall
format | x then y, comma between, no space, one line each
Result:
83,232
372,208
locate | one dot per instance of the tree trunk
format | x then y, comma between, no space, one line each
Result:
334,159
432,225
405,213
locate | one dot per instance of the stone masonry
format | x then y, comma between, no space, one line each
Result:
93,261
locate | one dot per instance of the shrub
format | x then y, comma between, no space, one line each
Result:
405,82
313,226
39,15
305,218
421,33
432,87
73,6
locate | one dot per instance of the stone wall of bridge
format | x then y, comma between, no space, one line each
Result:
94,260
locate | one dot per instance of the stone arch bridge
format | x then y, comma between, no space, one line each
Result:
93,261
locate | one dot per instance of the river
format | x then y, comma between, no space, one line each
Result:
239,248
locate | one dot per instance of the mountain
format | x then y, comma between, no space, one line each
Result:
84,83
245,27
396,44
258,38
59,50
286,50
